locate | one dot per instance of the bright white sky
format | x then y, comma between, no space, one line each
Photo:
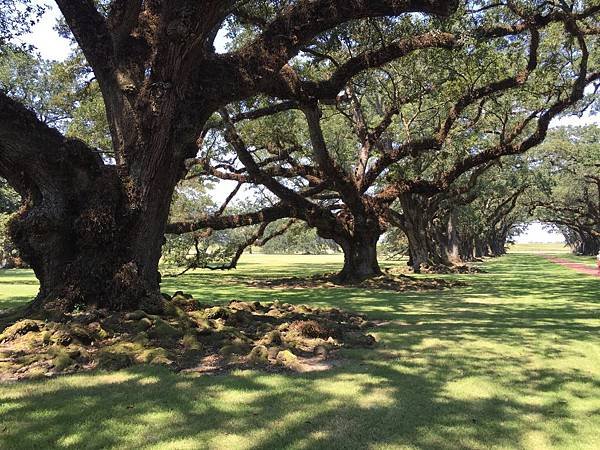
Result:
52,46
537,233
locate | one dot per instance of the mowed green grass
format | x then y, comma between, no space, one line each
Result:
512,360
553,249
545,248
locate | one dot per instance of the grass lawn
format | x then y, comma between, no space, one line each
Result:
554,249
510,361
546,248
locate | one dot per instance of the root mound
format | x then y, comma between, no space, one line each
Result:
440,269
187,336
390,281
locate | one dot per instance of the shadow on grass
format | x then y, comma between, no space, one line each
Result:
363,405
507,361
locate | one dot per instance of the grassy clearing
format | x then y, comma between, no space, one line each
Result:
510,361
547,248
554,249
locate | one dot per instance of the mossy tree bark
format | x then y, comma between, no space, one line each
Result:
88,239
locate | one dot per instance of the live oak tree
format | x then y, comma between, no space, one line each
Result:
416,131
571,163
92,229
494,213
474,221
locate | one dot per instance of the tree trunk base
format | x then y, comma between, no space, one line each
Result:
356,277
360,261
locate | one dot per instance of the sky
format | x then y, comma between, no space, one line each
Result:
537,233
52,46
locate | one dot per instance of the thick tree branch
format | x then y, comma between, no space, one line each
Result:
329,89
93,36
269,214
35,157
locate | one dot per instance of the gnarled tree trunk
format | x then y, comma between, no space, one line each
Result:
450,241
89,237
360,258
416,225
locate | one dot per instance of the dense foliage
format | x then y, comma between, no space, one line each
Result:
353,117
571,200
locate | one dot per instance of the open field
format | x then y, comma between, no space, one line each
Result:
554,249
548,248
512,360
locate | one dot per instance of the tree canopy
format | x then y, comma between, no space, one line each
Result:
349,113
571,200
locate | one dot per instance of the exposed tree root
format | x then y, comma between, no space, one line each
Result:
387,281
187,336
440,269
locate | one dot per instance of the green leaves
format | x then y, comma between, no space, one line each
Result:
17,17
64,95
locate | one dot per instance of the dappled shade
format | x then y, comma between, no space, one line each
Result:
507,361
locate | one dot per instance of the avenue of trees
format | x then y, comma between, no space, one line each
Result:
342,120
571,199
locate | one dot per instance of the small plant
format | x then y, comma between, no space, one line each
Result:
78,307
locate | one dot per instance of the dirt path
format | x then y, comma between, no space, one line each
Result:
578,267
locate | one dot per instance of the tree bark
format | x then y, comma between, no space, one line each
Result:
452,242
360,258
78,228
416,225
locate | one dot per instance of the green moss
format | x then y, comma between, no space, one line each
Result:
272,338
287,358
163,330
171,309
216,312
143,324
203,324
190,342
99,332
157,355
47,337
113,361
21,328
235,348
137,315
62,361
81,334
259,355
36,372
119,355
141,339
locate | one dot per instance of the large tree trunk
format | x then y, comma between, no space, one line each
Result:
419,252
89,237
360,258
497,243
416,225
357,235
451,245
